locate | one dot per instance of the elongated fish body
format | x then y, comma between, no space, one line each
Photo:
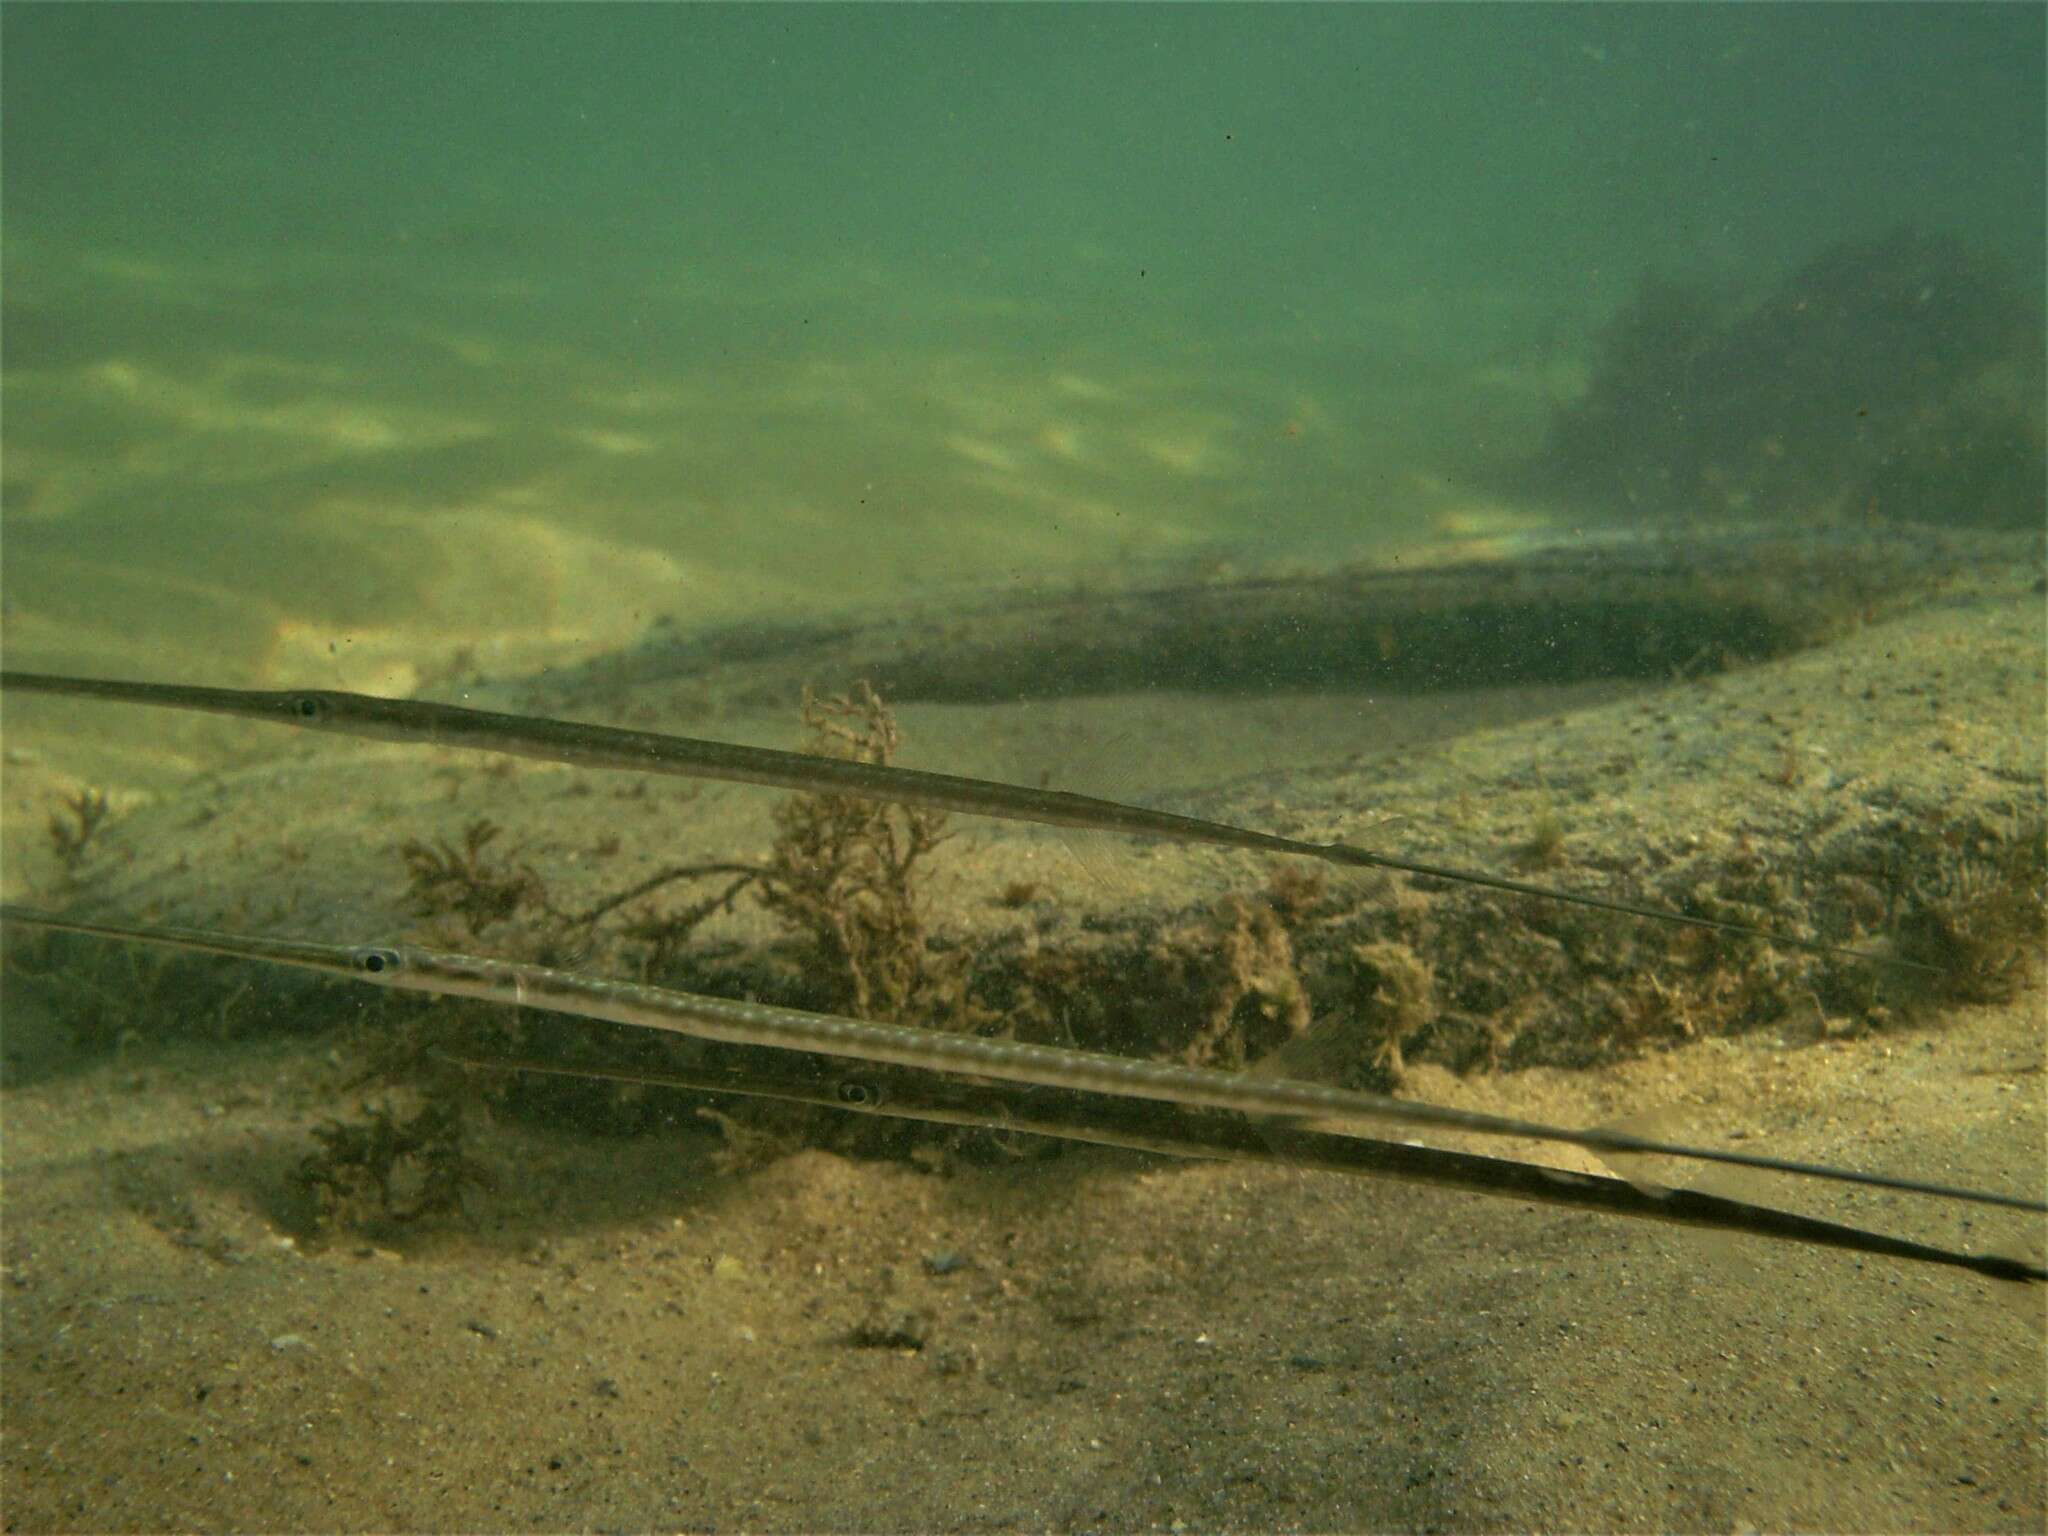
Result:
604,746
415,969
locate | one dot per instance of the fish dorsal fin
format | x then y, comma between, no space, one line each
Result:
1660,1176
1111,773
1326,1052
1647,1173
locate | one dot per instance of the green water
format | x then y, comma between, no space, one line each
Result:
341,342
377,348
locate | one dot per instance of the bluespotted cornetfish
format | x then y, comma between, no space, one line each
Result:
604,746
1174,1131
636,1005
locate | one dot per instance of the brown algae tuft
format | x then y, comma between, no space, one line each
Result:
1395,990
1982,917
385,1170
462,879
73,824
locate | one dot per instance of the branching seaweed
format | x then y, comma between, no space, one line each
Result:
1982,918
464,880
1395,989
1544,847
383,1169
1253,995
847,874
844,876
73,824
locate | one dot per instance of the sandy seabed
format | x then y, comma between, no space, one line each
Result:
620,1336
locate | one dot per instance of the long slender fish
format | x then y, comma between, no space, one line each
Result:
1149,1126
416,969
604,746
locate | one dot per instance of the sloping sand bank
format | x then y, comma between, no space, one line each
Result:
619,1335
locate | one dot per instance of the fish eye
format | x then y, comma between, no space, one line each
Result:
308,707
858,1095
373,960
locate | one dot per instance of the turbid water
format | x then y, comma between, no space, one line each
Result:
1085,1296
1563,445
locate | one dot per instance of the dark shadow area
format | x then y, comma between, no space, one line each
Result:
1899,378
1676,602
